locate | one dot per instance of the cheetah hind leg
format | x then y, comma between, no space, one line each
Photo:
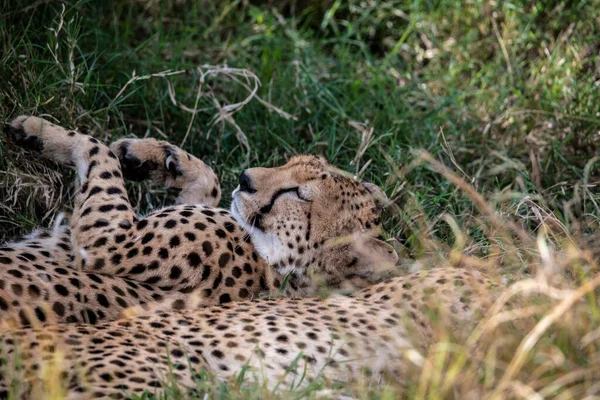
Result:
187,178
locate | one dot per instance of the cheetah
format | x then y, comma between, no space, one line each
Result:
379,332
293,221
288,225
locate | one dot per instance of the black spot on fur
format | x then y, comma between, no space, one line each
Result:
194,259
229,226
138,269
116,259
221,233
59,309
224,259
224,298
175,272
218,280
175,241
60,289
147,237
102,300
89,316
190,236
207,248
206,272
163,253
132,253
142,224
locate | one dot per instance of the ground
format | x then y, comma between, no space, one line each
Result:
505,94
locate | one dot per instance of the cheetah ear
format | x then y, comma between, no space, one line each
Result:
360,256
378,194
375,252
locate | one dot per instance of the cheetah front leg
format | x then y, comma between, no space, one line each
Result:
186,177
102,213
107,237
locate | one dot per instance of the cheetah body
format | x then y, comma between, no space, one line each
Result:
289,227
278,342
109,259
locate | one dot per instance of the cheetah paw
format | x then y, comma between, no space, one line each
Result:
52,141
186,177
28,139
143,159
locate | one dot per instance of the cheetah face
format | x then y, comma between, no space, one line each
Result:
306,215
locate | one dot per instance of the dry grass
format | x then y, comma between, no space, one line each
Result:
478,118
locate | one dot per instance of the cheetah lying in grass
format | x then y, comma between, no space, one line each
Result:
293,214
110,259
380,330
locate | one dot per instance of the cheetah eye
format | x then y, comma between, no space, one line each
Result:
299,194
293,191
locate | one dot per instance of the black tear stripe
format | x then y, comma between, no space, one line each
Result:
266,209
256,221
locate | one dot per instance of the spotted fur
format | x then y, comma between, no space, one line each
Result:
379,332
111,259
288,224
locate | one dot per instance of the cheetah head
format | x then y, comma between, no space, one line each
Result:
306,217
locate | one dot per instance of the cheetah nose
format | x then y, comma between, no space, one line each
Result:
246,183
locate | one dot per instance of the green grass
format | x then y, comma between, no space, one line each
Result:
506,94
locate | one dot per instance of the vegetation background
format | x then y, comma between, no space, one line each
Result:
503,97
